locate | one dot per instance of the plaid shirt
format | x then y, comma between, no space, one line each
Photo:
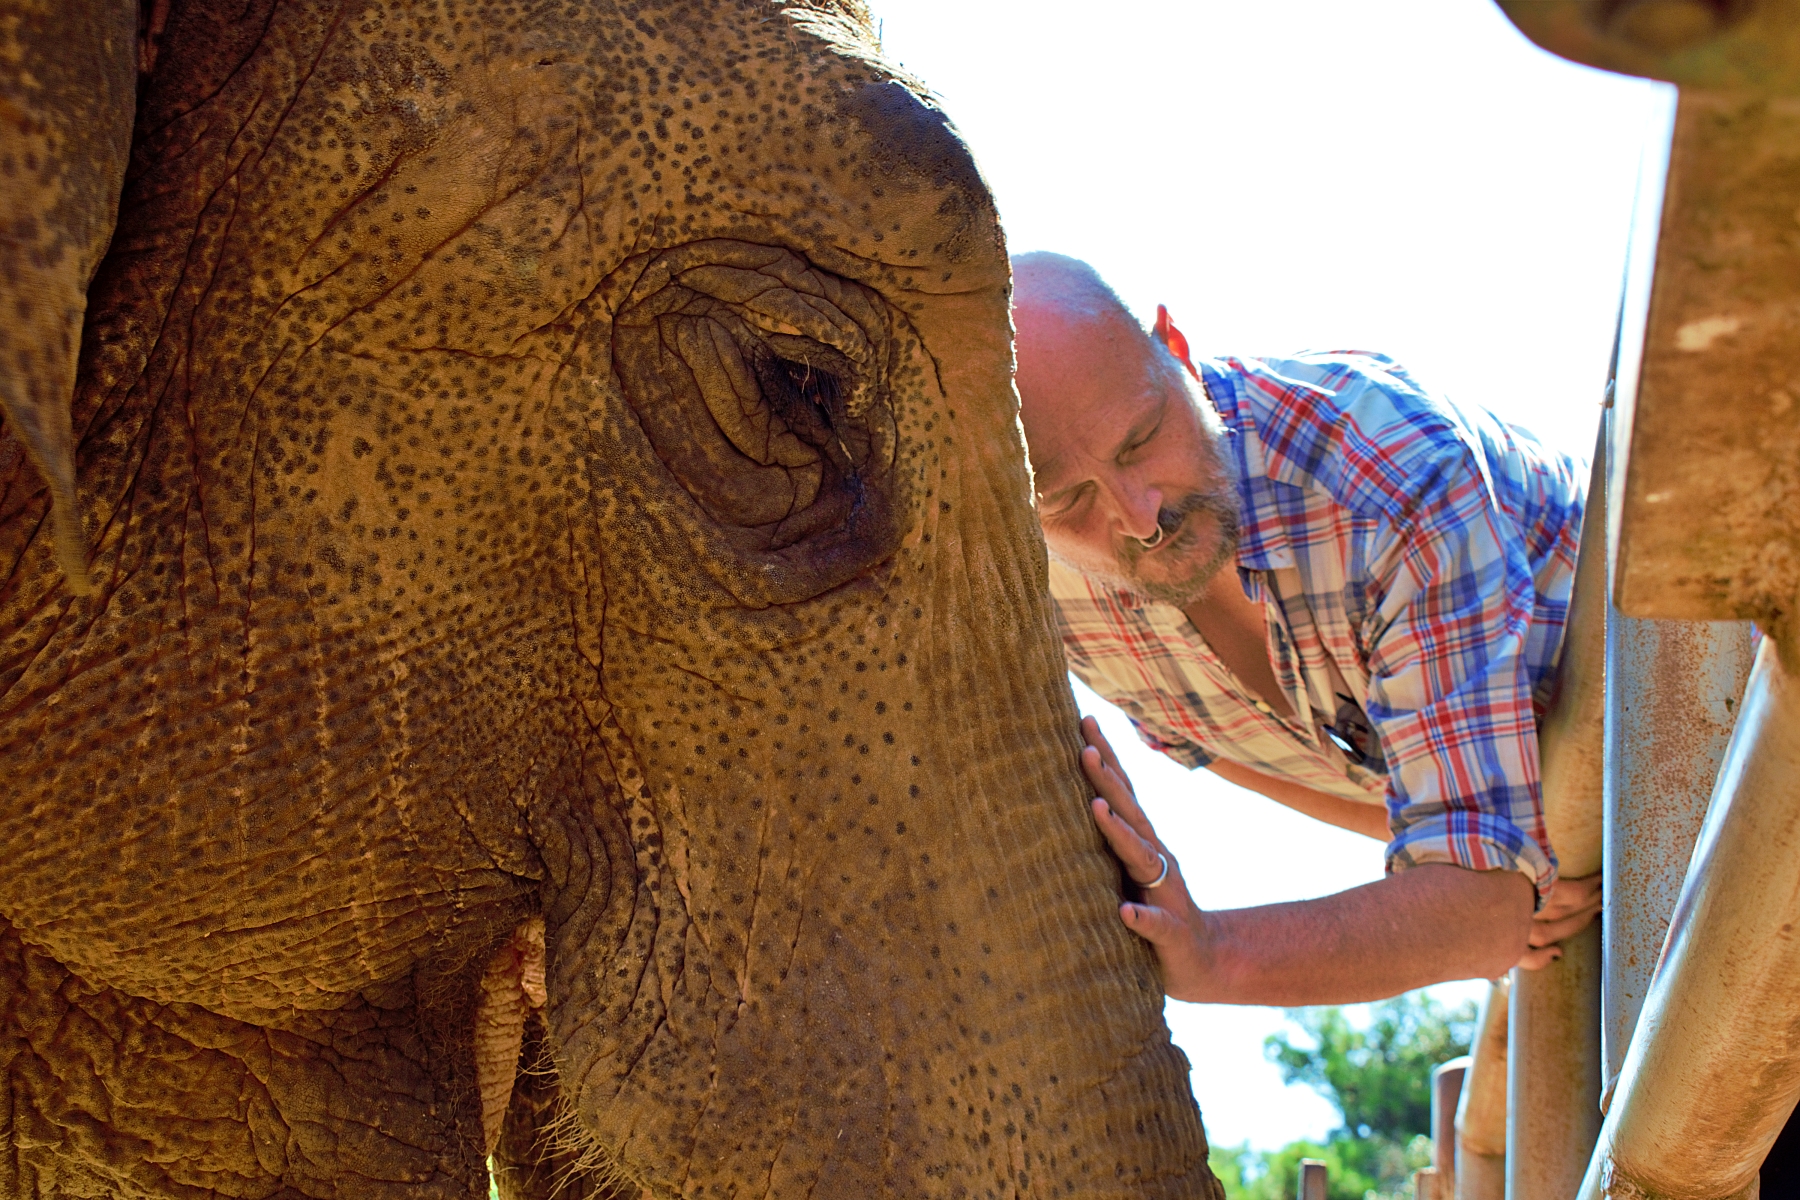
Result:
1417,554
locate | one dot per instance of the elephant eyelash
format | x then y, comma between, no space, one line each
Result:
819,390
808,398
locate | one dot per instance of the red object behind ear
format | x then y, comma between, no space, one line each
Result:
1171,337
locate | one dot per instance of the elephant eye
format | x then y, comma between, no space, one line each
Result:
801,394
761,383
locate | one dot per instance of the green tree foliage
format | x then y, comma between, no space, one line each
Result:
1357,1169
1227,1162
1275,1174
1379,1080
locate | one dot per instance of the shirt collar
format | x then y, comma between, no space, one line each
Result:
1262,544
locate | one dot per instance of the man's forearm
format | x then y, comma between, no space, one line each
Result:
1422,926
1370,820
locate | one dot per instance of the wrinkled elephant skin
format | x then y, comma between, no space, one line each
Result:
550,467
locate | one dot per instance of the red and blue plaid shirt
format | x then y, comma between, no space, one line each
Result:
1415,561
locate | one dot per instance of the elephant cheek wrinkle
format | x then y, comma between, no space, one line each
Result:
569,677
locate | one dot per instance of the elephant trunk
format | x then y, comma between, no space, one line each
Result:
870,942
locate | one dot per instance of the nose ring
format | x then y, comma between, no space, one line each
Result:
1153,541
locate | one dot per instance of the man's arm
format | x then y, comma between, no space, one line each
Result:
1425,925
1370,820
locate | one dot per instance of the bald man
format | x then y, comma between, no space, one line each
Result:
1327,585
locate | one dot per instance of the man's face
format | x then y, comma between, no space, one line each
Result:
1123,443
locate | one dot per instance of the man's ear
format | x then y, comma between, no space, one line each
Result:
1172,340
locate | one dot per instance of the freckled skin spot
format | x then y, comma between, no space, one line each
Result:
533,456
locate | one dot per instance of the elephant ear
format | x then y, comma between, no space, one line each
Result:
65,136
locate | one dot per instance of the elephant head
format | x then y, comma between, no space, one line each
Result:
539,466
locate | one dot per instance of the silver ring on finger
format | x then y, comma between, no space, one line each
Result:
1161,878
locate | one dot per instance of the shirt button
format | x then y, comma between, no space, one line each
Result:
1262,706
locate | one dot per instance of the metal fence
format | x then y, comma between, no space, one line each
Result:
1660,1058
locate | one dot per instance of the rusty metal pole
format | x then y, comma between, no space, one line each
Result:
1315,1179
1671,700
1672,687
1481,1110
1705,514
1446,1090
1713,1071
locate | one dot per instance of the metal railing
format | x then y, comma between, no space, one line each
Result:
1660,1058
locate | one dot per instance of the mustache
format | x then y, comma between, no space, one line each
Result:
1171,517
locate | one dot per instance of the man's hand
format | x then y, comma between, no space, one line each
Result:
1167,918
1573,903
1424,925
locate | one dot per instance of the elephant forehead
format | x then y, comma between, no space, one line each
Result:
791,116
409,215
468,175
789,125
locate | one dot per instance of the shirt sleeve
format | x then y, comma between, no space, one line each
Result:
1450,689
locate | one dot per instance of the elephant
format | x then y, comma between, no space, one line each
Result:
524,634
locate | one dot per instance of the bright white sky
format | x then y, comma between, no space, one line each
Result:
1410,176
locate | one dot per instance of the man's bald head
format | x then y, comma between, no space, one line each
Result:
1055,285
1075,342
1066,318
1130,484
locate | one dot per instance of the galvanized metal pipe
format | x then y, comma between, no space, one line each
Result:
1481,1110
1572,738
1553,1064
1713,1070
1671,701
1553,1081
1480,1176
